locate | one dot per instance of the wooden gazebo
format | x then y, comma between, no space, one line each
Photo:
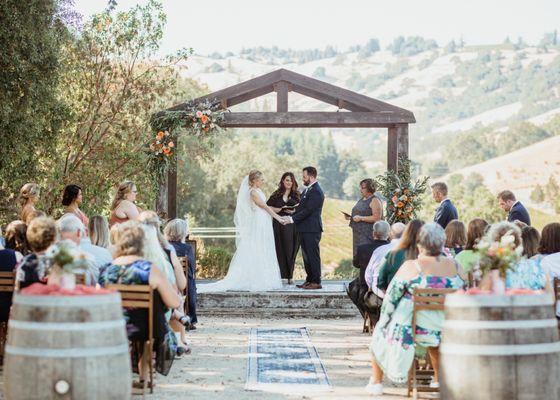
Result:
365,112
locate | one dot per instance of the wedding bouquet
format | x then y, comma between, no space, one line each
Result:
501,256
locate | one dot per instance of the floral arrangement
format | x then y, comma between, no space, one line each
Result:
65,257
201,119
404,197
501,256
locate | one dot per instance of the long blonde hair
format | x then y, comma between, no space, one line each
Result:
154,253
123,189
27,192
99,231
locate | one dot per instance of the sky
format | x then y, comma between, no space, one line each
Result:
230,25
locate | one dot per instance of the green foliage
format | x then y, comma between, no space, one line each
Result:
32,111
537,194
214,263
214,68
411,45
345,270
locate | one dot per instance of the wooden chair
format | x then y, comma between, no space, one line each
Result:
80,279
424,299
7,285
141,297
556,288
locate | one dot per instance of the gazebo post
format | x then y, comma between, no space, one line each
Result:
172,191
397,145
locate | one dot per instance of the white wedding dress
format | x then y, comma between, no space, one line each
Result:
254,266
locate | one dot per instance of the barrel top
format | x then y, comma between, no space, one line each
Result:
69,301
460,300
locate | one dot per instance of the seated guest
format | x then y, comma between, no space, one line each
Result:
16,237
176,231
550,250
358,288
28,197
526,274
516,211
71,200
393,345
446,211
378,256
123,208
71,228
130,268
530,237
8,261
98,230
456,238
405,250
41,233
469,258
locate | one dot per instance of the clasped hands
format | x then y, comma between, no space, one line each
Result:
285,220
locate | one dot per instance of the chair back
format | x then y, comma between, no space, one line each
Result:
80,279
428,299
556,288
194,247
139,297
7,281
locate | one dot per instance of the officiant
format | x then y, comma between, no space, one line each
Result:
283,202
367,211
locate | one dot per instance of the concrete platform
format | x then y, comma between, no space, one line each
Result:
329,302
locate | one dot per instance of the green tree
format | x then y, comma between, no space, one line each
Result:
31,110
537,194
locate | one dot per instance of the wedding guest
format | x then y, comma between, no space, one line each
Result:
98,230
28,197
71,200
367,211
358,287
526,273
176,231
406,250
283,202
71,228
446,212
41,233
550,249
531,238
16,237
516,211
456,237
131,268
123,207
378,256
8,261
469,258
393,345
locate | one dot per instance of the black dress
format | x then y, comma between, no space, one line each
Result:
285,236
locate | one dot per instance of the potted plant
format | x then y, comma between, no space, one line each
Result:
65,260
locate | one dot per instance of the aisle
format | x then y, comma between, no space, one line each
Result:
218,366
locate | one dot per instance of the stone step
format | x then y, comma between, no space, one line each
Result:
330,302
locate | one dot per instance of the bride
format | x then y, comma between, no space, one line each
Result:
254,266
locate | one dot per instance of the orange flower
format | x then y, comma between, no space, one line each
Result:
171,144
400,204
206,129
166,150
160,135
204,119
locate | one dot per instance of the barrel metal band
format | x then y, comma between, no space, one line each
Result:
486,301
76,301
499,350
66,326
68,352
513,324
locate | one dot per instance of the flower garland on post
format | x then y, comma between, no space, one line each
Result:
201,120
404,198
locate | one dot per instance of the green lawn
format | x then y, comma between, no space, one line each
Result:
539,219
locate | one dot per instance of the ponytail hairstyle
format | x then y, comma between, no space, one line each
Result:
27,192
123,189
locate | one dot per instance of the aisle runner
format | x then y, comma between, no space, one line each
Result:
284,360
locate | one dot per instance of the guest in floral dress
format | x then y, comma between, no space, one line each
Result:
128,268
392,344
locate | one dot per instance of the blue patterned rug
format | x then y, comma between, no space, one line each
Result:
284,359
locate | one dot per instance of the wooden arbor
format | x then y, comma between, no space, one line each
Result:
365,112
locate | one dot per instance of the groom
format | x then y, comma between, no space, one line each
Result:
307,218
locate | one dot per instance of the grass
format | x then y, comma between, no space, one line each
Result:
539,219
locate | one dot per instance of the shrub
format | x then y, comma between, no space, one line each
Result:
214,263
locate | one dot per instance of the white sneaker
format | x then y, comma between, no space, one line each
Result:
375,389
434,385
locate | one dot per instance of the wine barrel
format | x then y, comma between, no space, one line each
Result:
500,347
67,347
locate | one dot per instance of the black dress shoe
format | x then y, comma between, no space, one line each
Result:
303,285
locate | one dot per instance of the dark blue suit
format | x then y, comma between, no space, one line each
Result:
520,213
445,213
310,227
